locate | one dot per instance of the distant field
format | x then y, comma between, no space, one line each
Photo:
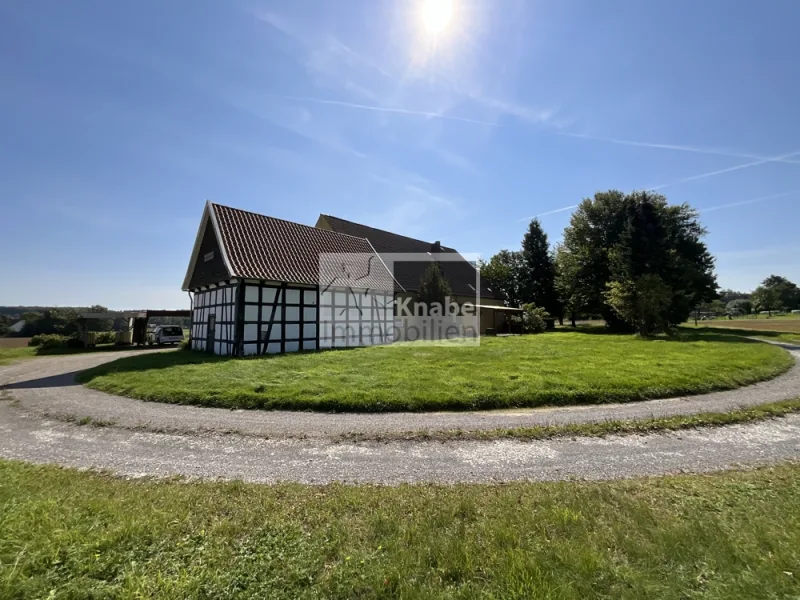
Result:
779,329
6,342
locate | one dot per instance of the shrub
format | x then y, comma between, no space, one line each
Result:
48,341
534,319
105,337
185,344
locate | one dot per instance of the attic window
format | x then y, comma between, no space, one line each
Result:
208,256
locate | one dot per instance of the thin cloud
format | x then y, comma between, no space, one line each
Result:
385,109
549,212
678,147
728,170
751,201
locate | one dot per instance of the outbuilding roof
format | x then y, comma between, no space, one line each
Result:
460,274
255,246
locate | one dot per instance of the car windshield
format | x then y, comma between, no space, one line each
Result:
171,330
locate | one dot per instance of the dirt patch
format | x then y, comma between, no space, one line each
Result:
15,342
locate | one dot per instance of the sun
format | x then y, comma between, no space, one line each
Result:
437,14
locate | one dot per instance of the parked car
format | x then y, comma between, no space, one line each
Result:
165,334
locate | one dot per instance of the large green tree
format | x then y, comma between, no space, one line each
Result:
537,279
787,291
637,260
766,299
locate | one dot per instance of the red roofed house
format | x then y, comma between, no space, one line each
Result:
263,285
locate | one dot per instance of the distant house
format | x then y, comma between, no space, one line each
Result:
460,273
258,286
17,327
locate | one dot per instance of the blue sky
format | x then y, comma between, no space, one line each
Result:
119,119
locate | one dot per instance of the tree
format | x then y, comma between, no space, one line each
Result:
728,296
570,282
537,281
766,299
788,292
739,306
433,287
621,238
502,273
642,303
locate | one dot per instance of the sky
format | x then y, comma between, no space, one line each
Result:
118,120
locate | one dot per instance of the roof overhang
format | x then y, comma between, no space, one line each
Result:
208,214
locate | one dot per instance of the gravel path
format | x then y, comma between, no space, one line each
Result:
302,447
27,437
46,387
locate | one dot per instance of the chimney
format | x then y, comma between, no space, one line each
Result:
436,246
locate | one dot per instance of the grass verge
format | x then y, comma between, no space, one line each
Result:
761,412
557,368
68,534
9,355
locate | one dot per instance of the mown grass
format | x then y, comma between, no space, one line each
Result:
555,368
760,412
67,534
15,353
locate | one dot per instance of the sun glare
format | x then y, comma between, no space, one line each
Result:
437,14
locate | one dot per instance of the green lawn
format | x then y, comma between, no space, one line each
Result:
9,355
67,534
553,368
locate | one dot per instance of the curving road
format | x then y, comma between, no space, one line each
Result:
39,396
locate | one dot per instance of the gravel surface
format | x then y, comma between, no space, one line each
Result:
46,386
301,447
212,456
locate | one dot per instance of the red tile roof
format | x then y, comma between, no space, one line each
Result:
261,247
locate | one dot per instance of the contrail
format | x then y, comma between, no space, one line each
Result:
728,170
751,201
385,109
678,147
549,212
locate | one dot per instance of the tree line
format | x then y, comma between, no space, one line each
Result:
632,259
775,294
64,320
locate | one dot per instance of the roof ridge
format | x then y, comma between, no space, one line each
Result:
383,230
252,212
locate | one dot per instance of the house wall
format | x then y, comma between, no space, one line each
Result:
221,303
350,318
287,318
278,317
